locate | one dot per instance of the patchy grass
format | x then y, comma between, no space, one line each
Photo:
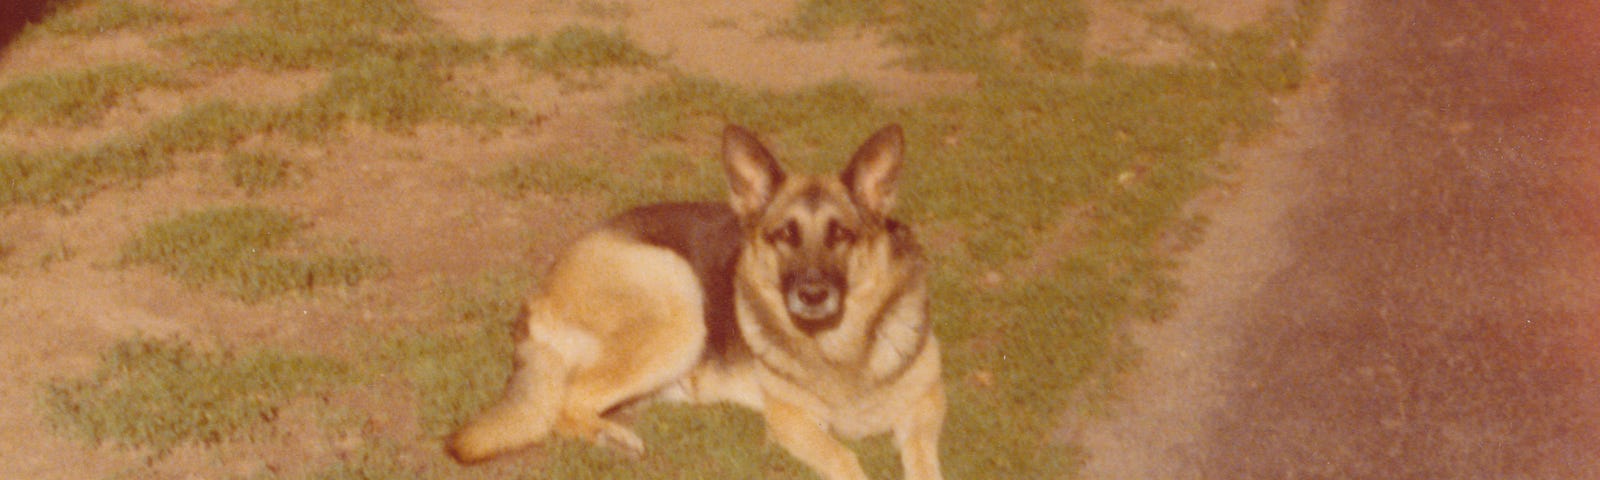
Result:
160,394
257,171
971,35
386,70
392,94
604,9
682,443
102,16
947,35
299,34
386,460
1046,36
77,97
832,116
655,176
307,34
459,370
820,19
579,48
201,126
272,49
64,176
376,16
241,251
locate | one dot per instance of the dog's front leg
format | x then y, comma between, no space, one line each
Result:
917,436
807,438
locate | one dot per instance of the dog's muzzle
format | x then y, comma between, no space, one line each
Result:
813,302
813,299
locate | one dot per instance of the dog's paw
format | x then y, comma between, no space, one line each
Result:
620,439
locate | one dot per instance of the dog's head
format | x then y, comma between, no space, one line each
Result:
809,230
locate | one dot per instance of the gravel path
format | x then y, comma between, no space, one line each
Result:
1408,284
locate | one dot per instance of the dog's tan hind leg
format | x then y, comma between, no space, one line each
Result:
631,370
641,307
524,414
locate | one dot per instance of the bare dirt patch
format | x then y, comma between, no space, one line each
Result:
1124,30
74,52
735,41
493,18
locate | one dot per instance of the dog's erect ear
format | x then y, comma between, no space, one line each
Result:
753,175
874,170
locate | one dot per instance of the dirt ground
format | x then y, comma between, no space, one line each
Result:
1405,283
63,300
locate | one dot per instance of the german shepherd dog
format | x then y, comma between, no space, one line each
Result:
799,298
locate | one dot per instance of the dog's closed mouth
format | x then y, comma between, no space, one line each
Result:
814,308
816,304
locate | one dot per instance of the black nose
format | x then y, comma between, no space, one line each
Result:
813,294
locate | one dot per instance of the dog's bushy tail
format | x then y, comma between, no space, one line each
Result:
525,413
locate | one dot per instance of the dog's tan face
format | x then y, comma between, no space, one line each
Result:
812,224
812,227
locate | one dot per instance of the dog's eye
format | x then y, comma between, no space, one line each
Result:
839,235
788,234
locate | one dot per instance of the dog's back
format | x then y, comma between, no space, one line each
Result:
705,234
